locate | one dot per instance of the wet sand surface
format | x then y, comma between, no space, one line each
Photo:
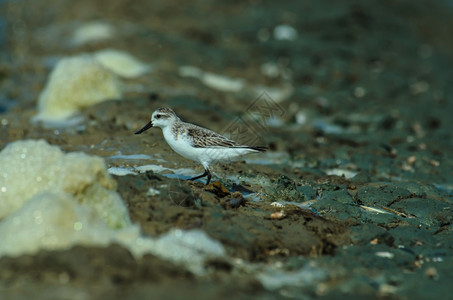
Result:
354,197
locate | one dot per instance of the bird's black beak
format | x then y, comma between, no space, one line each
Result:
147,126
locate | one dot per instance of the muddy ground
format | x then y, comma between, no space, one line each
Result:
360,150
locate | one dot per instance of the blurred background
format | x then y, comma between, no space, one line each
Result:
341,55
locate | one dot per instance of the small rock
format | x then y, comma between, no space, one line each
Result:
411,160
278,215
431,273
218,189
236,201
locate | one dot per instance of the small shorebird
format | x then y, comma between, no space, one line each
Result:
194,142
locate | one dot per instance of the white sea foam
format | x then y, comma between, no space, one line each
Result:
75,83
52,200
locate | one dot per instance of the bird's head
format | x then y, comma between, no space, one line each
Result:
161,117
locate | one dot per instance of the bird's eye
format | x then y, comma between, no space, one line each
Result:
158,116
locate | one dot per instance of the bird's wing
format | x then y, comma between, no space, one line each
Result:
205,138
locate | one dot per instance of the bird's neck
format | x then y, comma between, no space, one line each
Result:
173,129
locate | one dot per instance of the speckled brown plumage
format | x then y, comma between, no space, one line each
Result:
204,138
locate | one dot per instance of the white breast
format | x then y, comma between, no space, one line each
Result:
183,146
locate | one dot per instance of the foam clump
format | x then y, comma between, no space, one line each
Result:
30,168
52,200
186,247
275,278
121,63
92,32
214,81
51,221
227,84
75,83
285,32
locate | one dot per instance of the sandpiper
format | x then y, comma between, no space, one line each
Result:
196,143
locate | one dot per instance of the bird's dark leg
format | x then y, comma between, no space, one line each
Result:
206,173
209,177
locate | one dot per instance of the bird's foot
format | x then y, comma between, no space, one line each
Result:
206,173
